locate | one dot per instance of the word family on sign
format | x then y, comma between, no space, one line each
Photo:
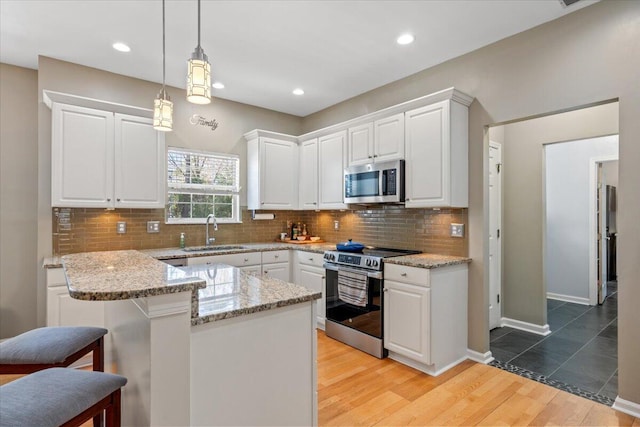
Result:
197,119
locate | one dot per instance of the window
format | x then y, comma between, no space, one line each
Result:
201,183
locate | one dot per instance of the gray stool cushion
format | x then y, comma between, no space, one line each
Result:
54,396
47,345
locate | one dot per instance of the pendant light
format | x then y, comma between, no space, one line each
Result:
162,105
199,74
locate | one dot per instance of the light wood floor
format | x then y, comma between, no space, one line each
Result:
355,389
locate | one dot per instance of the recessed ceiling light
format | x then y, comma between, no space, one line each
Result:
121,47
218,85
405,39
298,91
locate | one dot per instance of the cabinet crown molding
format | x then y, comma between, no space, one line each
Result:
50,97
451,93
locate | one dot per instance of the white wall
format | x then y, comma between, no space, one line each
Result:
567,188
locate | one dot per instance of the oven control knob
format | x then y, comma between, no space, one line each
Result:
375,263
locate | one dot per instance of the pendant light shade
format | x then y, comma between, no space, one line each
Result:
163,112
199,74
162,105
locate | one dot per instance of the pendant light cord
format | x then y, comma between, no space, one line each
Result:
198,23
163,55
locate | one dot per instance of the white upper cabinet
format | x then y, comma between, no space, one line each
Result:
388,141
105,160
331,154
436,168
272,172
309,174
378,141
360,147
140,162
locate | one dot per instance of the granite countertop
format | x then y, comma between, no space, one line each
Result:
118,275
427,260
174,253
231,292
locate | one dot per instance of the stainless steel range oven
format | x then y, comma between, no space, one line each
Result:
355,298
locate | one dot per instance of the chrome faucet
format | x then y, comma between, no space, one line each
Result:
209,240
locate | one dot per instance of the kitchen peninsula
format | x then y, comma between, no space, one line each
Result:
204,344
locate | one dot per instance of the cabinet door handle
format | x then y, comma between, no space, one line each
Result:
310,259
108,200
266,272
375,155
385,290
262,203
314,203
323,277
407,199
117,200
277,256
246,259
209,263
370,156
404,274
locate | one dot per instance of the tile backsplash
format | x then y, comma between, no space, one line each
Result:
86,230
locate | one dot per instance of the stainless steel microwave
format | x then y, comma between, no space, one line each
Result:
375,183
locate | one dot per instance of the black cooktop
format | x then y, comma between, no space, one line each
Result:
387,252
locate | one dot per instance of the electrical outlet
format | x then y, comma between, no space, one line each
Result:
336,225
121,227
456,230
153,226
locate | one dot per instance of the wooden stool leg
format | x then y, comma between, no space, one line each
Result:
112,412
98,356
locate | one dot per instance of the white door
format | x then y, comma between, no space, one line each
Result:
360,145
81,157
427,156
140,163
389,138
277,271
278,172
331,154
407,320
313,278
495,224
309,174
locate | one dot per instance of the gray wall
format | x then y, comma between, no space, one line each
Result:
18,199
235,119
586,57
523,209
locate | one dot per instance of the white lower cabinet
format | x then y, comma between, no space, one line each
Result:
62,310
276,264
425,316
244,261
270,263
407,319
309,272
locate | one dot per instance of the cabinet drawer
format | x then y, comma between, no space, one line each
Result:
404,274
311,258
236,260
270,257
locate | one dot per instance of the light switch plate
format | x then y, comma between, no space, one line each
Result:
121,227
153,226
336,225
456,230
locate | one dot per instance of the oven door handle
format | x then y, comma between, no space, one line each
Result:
370,274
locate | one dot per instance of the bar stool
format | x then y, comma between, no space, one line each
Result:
61,397
51,347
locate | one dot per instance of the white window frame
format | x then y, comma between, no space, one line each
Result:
236,217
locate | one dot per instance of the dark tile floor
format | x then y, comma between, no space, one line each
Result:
582,349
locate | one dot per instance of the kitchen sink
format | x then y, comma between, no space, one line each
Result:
212,248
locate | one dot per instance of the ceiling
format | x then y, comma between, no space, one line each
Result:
262,50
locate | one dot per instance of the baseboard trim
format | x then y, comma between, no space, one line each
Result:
568,298
525,326
476,356
627,407
427,369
